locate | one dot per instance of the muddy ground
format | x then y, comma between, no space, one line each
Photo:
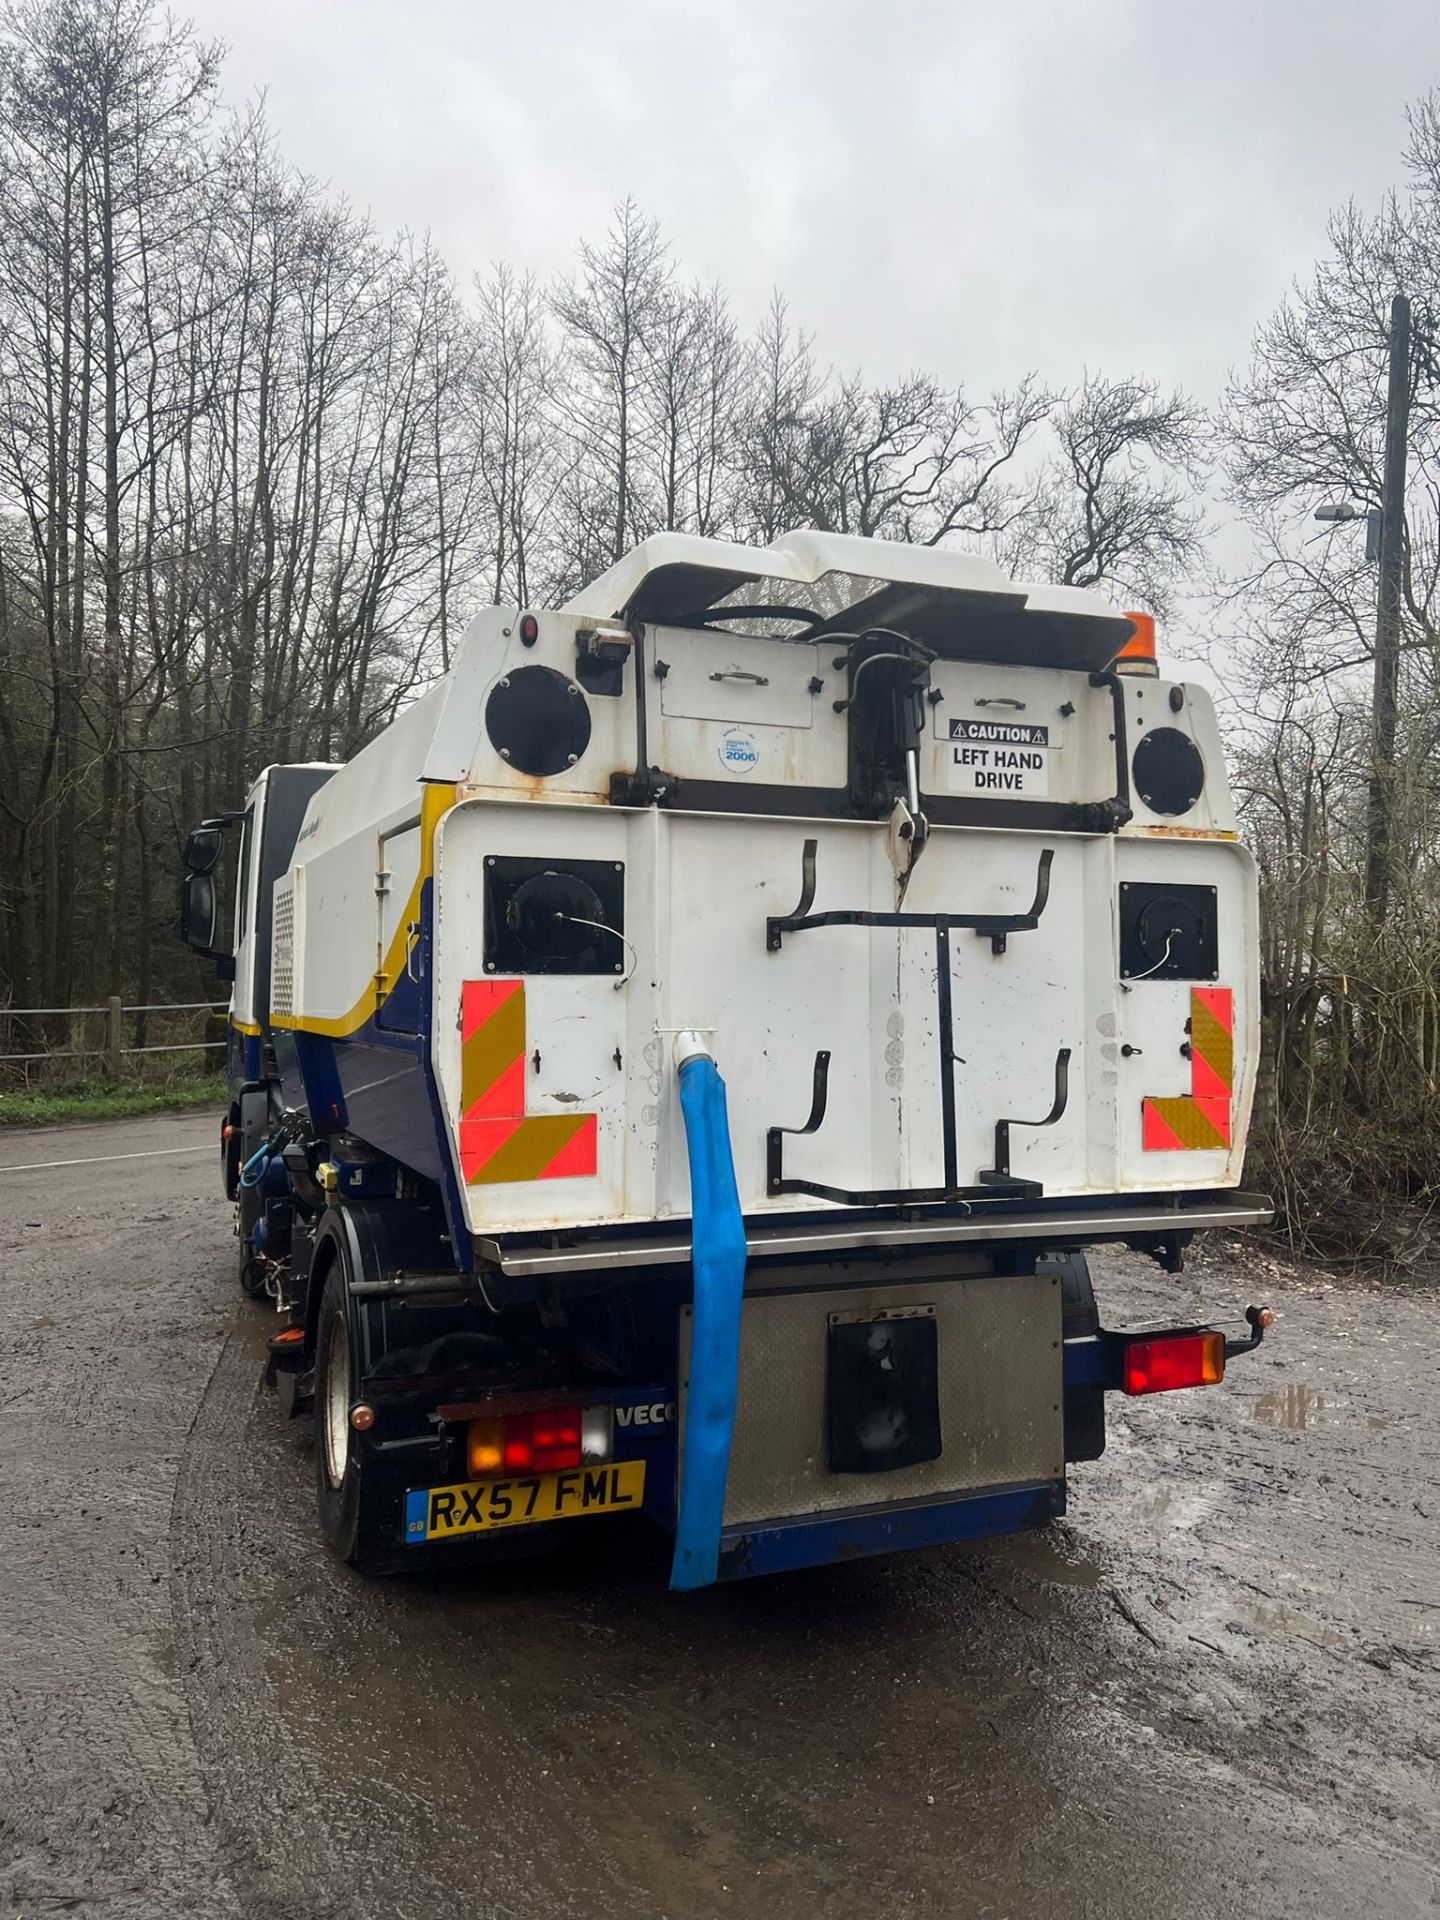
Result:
1213,1689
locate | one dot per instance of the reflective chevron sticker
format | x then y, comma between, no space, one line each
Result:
498,1139
1200,1118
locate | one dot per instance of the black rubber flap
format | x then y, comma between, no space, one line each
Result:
883,1394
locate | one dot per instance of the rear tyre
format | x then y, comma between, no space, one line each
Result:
337,1458
1084,1406
1077,1292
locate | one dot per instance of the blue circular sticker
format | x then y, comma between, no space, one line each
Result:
738,751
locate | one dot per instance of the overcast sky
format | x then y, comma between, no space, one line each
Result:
976,188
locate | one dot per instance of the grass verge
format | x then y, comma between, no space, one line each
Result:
97,1100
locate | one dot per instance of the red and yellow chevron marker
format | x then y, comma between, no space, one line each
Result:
498,1139
1200,1118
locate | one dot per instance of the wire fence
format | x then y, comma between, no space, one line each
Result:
37,1041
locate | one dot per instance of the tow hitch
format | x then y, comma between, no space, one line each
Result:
1259,1319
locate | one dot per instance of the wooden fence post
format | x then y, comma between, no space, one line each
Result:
114,1033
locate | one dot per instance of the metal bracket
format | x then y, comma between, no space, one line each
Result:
995,927
775,1181
1000,1175
819,1095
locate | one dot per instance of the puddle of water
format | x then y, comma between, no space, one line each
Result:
1040,1556
1301,1408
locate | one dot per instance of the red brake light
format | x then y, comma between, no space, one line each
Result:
546,1442
1174,1360
555,1439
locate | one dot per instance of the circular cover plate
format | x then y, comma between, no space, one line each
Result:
1168,771
537,720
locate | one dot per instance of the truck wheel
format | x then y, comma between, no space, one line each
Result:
1077,1292
337,1463
1084,1406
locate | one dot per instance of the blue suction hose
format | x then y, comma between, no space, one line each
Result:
717,1257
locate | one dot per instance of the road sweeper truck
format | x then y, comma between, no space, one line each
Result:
678,1066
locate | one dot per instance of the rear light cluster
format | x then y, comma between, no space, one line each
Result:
551,1441
1174,1360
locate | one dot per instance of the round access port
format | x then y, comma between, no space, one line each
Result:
546,913
537,720
1168,924
1168,771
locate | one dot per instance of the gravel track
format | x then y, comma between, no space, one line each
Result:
1213,1689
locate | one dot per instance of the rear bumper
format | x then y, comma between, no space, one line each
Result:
783,1546
1061,1223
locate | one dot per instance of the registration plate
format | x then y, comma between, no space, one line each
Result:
479,1506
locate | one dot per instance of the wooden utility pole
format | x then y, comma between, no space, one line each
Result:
1381,812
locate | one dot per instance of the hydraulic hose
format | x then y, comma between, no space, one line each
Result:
254,1167
260,1159
717,1258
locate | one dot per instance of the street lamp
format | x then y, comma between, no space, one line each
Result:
1346,510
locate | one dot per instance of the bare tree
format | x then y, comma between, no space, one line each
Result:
520,459
258,462
1353,998
1116,502
609,314
783,390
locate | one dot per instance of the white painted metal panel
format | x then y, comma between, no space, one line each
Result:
699,889
1018,733
1152,1016
734,678
397,864
577,1051
740,711
1147,706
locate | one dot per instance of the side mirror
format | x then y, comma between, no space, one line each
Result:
202,851
199,902
197,907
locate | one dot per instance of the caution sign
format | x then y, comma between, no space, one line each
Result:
1001,759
